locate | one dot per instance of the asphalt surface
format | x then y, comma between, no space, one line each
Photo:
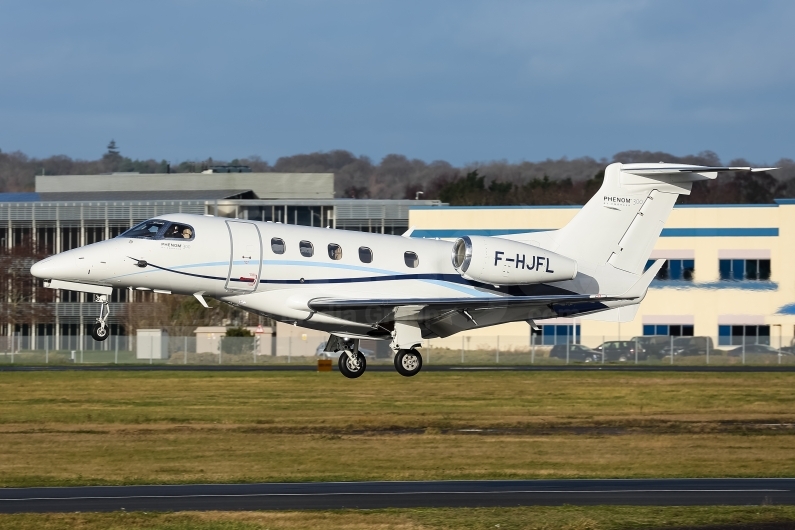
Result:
390,368
371,495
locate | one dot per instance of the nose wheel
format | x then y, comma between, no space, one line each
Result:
100,331
408,362
352,364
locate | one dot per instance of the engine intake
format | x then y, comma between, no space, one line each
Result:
504,262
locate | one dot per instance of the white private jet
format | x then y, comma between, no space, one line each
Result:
358,285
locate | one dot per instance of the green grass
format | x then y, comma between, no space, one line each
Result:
535,518
69,428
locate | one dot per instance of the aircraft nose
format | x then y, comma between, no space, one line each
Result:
42,269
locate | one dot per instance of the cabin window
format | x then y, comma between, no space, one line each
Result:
365,255
411,259
146,230
277,245
179,231
334,251
306,248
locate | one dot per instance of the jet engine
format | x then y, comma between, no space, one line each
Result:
503,262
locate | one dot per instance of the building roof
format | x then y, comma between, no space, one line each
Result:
160,195
263,185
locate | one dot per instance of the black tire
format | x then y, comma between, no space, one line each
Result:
348,370
100,333
408,363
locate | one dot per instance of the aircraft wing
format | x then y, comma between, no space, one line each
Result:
446,316
330,305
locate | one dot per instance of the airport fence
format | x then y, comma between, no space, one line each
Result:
457,350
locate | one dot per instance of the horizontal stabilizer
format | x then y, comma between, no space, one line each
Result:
674,169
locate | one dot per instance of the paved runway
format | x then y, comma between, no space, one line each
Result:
370,495
390,368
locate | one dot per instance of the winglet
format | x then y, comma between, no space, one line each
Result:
408,232
201,299
642,285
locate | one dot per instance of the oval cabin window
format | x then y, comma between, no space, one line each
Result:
277,245
411,259
365,255
334,251
306,248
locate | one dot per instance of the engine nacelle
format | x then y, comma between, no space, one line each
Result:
503,262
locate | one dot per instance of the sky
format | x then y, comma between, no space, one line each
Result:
458,80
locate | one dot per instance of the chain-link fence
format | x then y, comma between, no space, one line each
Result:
457,350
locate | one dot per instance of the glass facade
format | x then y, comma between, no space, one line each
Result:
737,335
665,329
551,335
744,269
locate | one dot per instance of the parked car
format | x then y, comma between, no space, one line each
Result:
755,348
620,350
368,354
684,346
653,344
577,353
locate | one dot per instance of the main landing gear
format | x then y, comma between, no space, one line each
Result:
101,331
408,362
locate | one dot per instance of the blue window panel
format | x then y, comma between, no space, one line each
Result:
549,335
738,269
577,331
725,267
676,331
675,269
763,335
648,329
649,263
662,330
561,334
724,335
738,332
687,331
764,269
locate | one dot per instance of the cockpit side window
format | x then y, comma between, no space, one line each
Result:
179,231
146,230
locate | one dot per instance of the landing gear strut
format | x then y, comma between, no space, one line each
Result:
408,362
100,331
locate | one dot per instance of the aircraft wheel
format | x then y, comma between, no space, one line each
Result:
352,369
408,362
100,332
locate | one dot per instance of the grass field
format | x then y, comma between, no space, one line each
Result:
73,428
537,518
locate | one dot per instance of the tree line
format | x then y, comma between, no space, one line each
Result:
551,181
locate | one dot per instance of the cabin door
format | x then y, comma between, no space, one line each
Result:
245,262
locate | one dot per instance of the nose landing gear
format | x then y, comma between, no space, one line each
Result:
352,364
101,331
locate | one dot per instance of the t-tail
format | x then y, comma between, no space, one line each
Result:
612,237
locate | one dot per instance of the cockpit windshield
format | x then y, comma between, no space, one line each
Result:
160,229
145,230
